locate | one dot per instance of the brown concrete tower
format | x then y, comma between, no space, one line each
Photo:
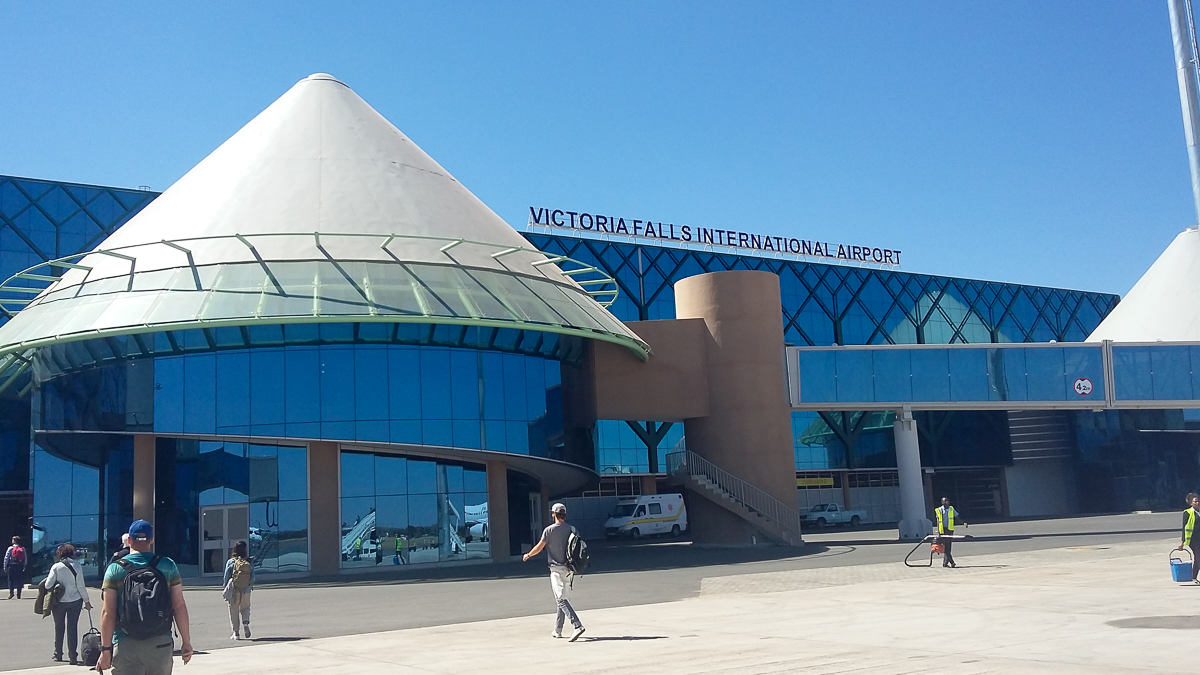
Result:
748,429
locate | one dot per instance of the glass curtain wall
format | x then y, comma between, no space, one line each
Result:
619,448
452,397
83,495
1130,460
398,510
423,395
14,446
271,480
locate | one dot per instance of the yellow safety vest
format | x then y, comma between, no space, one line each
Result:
1190,527
945,518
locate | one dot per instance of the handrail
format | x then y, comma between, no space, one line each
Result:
688,463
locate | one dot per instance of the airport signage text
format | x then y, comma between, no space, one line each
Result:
648,229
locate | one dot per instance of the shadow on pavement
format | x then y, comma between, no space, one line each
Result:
1167,622
624,638
278,639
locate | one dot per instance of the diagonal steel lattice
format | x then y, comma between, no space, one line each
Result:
43,220
831,304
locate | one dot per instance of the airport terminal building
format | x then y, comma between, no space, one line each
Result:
319,341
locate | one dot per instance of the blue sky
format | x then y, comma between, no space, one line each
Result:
1034,142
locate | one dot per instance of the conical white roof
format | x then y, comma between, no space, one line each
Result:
318,210
1165,303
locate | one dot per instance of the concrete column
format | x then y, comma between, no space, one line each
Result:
144,478
913,523
650,484
748,429
497,486
324,509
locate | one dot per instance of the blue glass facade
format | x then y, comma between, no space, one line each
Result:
41,220
1136,459
835,305
83,494
399,510
960,375
499,389
422,395
830,304
271,480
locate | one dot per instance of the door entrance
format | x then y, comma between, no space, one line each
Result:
535,517
222,526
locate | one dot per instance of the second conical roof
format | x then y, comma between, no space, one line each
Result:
1164,305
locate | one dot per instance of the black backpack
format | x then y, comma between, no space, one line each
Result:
577,553
144,601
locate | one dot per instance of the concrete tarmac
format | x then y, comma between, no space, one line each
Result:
668,575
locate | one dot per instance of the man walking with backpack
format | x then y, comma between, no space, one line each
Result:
143,594
555,539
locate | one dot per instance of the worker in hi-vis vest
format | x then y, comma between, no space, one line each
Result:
1189,529
945,524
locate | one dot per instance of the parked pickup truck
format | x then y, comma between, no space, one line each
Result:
831,514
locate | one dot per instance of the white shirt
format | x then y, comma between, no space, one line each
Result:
73,583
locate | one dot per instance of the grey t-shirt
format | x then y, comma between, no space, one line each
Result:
556,537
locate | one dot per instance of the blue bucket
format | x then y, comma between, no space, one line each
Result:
1181,570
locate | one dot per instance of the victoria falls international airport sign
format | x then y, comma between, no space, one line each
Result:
607,227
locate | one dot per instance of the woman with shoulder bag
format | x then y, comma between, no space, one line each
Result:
239,581
67,573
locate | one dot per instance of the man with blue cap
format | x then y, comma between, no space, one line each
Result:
143,596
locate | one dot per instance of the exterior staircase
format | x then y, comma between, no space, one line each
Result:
768,515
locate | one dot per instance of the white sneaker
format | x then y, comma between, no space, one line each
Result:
556,635
235,636
576,634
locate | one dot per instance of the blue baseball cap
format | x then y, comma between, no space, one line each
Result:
140,530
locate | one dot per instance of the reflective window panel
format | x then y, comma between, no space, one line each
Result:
83,495
272,480
398,510
426,395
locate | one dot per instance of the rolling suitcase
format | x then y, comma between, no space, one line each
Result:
89,645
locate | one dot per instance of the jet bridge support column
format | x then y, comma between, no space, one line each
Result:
913,523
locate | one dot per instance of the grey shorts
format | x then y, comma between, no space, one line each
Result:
143,657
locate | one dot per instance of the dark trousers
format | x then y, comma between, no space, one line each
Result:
1195,559
16,579
947,558
66,617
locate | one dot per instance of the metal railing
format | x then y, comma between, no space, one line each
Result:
687,463
22,288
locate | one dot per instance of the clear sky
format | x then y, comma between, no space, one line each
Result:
1037,142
